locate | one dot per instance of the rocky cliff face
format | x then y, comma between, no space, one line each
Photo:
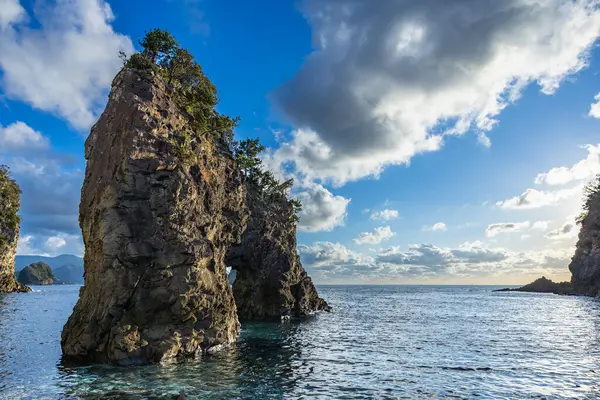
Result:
9,233
270,282
160,207
585,265
163,212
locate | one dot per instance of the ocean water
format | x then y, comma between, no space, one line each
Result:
382,342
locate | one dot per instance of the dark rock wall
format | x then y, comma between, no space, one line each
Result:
271,282
9,233
585,264
157,222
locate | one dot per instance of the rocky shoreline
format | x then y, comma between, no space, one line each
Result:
544,285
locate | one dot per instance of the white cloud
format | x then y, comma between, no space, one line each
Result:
582,170
389,79
595,107
533,198
540,225
10,12
506,227
53,245
385,215
567,231
321,210
332,256
19,137
439,226
55,242
66,65
378,235
422,261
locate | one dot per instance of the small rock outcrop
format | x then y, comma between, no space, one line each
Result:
160,208
270,283
585,264
9,233
38,274
543,285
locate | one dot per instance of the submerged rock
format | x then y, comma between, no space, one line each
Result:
160,207
9,233
37,274
270,283
543,285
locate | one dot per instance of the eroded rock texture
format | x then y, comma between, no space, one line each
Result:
159,210
585,265
9,233
270,281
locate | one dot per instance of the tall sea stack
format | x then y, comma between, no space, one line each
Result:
270,281
585,265
164,211
10,194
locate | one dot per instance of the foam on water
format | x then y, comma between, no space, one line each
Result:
409,342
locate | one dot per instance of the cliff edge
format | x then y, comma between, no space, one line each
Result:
160,207
10,195
585,264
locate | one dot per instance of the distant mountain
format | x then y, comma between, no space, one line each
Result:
66,267
54,262
69,273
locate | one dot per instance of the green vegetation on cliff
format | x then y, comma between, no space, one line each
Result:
591,196
195,93
9,206
192,90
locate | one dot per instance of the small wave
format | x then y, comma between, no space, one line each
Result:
466,368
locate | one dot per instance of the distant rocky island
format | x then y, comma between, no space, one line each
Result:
543,285
66,268
585,264
169,201
39,274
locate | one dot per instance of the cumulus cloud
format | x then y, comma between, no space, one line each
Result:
595,107
50,245
10,12
422,261
533,198
321,210
389,79
20,137
378,235
385,215
51,184
506,227
439,226
582,170
65,62
567,231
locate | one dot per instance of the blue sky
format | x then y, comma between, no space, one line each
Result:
430,142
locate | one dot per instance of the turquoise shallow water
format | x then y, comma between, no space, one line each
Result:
408,342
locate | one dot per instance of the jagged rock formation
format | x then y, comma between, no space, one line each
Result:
38,274
9,233
161,208
585,264
157,223
270,281
543,285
